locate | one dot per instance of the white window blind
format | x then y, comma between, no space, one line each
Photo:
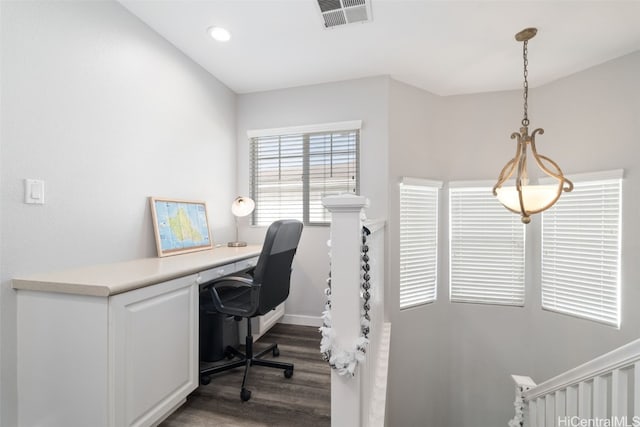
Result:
418,241
581,251
292,173
487,253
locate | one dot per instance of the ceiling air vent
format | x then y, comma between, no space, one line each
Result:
342,12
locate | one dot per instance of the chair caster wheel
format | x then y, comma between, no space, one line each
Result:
204,380
276,352
288,373
245,394
228,354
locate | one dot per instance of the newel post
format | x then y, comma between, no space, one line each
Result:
346,241
520,405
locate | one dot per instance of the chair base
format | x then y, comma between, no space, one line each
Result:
247,360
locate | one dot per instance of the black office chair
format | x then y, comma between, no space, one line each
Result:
255,294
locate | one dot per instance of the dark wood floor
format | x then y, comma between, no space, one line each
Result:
303,400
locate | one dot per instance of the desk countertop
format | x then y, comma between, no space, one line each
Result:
111,279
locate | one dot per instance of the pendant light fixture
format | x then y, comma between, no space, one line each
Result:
521,197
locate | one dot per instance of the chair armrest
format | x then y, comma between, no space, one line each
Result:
234,282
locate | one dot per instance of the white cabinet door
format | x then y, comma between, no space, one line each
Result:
153,345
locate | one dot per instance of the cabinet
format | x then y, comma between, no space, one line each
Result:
113,345
124,360
154,357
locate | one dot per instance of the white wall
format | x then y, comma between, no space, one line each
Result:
106,112
467,351
446,356
417,370
363,99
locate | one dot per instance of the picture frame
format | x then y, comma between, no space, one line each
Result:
180,226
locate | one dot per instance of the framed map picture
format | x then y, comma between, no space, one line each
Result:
180,226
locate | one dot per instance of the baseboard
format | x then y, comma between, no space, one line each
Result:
301,320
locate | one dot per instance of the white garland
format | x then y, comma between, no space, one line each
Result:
344,361
518,419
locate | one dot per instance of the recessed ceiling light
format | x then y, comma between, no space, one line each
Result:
220,34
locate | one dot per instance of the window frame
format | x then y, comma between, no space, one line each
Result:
305,132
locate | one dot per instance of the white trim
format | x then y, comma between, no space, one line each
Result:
345,203
374,224
301,320
406,180
591,319
588,176
619,358
378,405
470,184
294,130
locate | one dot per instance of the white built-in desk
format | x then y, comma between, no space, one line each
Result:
114,345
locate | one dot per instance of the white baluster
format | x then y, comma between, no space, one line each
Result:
636,389
619,392
600,397
584,400
550,410
561,405
572,401
533,414
541,406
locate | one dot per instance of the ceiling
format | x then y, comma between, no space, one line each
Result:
446,47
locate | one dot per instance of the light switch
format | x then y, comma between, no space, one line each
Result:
34,191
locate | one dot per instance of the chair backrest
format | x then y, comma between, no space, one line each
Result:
273,270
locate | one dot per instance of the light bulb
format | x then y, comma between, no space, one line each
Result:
220,34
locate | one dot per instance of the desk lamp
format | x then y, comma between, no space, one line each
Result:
241,206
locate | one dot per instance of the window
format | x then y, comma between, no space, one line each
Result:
581,250
293,169
418,241
486,248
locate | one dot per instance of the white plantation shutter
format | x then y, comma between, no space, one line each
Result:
333,169
418,241
293,171
487,252
276,178
581,250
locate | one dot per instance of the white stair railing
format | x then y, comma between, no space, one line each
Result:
358,400
602,392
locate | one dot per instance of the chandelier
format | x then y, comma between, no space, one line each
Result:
522,197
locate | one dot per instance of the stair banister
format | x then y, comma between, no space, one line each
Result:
357,315
346,229
604,388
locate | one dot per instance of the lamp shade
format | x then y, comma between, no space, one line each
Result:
534,197
242,206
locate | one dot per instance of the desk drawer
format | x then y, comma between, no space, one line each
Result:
246,263
214,273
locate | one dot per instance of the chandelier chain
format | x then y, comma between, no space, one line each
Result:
525,95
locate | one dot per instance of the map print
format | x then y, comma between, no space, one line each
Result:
181,225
